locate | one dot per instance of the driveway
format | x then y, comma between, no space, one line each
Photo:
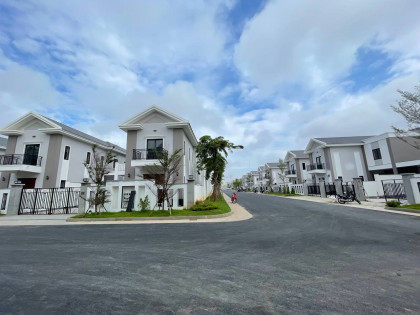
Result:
292,257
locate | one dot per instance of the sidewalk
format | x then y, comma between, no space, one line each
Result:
370,204
238,213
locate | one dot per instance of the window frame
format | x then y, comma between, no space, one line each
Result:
377,155
67,153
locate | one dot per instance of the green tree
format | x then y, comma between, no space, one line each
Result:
236,183
211,157
282,166
409,107
97,169
164,175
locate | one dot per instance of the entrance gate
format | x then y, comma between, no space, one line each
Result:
394,189
49,201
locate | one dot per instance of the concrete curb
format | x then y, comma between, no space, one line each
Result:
191,218
402,210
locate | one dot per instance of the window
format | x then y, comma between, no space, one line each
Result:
3,202
303,166
154,145
318,160
189,153
63,184
88,158
31,154
377,154
113,163
66,152
184,147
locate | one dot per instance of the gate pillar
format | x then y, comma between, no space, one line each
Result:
305,189
14,199
83,197
322,190
408,188
338,183
359,191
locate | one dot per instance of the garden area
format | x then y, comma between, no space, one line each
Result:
397,204
201,208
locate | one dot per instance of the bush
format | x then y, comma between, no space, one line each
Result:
204,206
293,191
144,204
284,190
393,203
287,190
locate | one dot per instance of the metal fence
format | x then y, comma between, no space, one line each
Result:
49,201
330,190
314,190
394,189
347,188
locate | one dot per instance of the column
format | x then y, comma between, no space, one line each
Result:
408,187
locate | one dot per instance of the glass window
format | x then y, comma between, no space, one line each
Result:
303,166
66,152
377,154
88,158
31,154
63,184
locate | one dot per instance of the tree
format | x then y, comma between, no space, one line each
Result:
282,166
249,180
236,183
409,108
163,175
270,181
211,156
97,169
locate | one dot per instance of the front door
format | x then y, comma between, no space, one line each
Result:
28,182
31,154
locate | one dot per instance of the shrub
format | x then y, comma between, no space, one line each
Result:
293,191
393,203
204,206
287,190
144,204
284,190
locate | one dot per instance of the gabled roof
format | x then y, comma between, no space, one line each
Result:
51,126
272,165
155,114
255,173
335,142
297,154
3,143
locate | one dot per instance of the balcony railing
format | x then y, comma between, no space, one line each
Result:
20,159
290,172
318,166
147,154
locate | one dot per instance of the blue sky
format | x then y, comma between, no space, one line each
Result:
266,74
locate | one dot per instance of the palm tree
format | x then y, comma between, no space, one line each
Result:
211,156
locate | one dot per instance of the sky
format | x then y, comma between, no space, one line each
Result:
268,75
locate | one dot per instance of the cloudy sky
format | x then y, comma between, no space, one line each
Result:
265,74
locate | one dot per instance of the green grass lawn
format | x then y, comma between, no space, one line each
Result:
222,207
412,207
281,194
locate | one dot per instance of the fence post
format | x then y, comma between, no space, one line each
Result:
322,189
83,197
338,186
305,189
408,188
359,192
14,199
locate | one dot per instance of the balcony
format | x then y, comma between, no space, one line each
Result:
318,168
290,173
143,157
20,162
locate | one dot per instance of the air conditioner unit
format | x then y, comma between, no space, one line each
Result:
86,180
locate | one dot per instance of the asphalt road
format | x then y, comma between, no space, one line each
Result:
292,257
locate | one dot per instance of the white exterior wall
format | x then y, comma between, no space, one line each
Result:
304,172
347,162
383,163
148,132
189,159
32,136
327,175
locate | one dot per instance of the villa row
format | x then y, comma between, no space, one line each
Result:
40,152
343,158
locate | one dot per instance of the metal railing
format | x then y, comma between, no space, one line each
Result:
20,159
394,189
318,166
314,190
290,172
147,154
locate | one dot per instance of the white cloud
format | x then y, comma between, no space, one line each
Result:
313,44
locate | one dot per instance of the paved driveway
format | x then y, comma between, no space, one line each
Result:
293,256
